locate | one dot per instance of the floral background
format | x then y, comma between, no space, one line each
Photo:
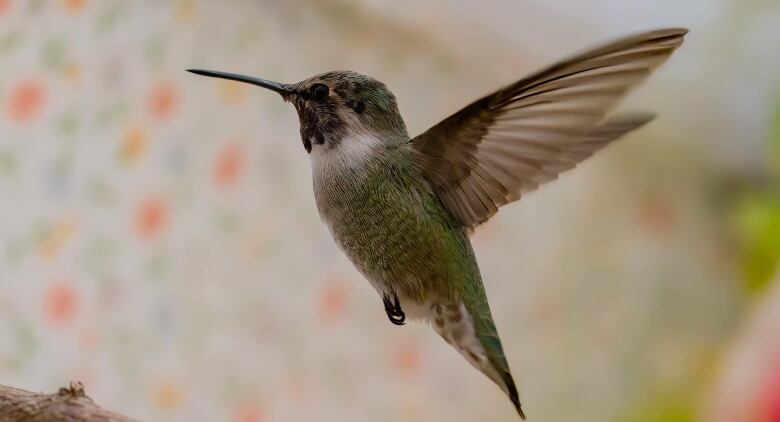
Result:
160,243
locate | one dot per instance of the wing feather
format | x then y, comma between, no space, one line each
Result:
508,143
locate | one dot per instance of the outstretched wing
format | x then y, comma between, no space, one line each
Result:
508,143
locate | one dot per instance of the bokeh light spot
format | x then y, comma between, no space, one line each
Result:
60,303
151,217
163,101
26,101
229,165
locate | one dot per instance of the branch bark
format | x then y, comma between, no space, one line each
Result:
67,405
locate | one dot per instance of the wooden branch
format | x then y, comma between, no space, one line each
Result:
67,405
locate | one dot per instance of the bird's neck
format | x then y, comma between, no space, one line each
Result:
355,153
351,155
346,168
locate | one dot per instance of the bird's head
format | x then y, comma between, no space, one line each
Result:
336,105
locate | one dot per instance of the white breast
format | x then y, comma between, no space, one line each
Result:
336,169
347,158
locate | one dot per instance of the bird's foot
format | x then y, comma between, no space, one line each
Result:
393,309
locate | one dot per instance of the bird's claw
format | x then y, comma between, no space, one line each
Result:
393,310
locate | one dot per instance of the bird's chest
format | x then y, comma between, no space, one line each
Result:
391,226
375,215
372,217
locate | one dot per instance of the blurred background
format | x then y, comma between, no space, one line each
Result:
159,239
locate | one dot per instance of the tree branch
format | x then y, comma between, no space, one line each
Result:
68,404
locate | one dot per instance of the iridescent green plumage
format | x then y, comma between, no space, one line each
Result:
399,235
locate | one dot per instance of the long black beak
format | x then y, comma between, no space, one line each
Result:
273,86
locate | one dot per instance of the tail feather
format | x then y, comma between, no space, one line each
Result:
473,334
512,393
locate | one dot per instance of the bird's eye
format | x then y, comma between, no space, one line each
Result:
319,91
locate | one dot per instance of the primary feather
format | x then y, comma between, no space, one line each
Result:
508,143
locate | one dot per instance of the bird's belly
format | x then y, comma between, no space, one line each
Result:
395,254
401,247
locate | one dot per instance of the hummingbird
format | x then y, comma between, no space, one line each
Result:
403,209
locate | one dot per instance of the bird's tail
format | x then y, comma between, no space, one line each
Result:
471,331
